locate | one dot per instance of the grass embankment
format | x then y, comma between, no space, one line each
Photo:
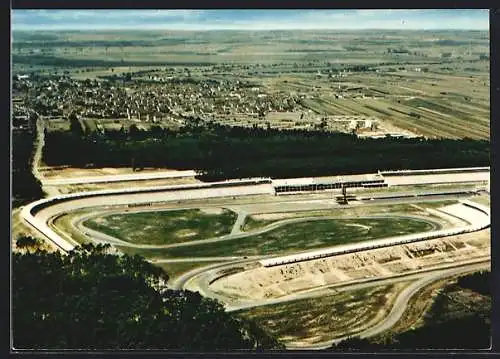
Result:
63,225
462,304
483,199
165,227
319,319
176,269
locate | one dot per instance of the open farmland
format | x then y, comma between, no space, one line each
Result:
320,183
401,83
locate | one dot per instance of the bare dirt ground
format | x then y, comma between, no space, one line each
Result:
62,172
263,283
65,189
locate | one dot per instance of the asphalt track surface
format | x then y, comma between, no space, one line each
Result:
101,237
109,202
181,281
401,302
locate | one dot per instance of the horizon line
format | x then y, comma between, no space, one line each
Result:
244,29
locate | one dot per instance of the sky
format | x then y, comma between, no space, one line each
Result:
472,19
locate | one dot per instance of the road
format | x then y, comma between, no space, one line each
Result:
203,259
400,304
40,142
240,221
101,237
46,215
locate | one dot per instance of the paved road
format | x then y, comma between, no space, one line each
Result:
180,282
238,224
40,142
199,194
400,304
37,157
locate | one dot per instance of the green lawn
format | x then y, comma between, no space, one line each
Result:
298,237
164,227
253,223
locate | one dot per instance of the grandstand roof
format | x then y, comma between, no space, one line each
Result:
325,180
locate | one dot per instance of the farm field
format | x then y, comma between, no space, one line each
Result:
412,83
260,123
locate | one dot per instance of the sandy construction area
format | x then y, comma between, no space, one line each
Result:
438,178
69,172
86,187
261,283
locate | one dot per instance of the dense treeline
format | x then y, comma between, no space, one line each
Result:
478,282
25,187
469,332
441,331
90,299
221,152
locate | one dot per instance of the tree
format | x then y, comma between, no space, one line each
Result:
75,125
90,299
134,131
26,242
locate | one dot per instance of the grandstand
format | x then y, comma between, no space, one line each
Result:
291,185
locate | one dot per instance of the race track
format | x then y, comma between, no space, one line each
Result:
243,198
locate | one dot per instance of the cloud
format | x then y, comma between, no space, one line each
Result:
251,19
51,17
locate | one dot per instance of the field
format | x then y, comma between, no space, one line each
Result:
483,199
260,220
165,227
434,84
279,104
324,318
296,237
314,228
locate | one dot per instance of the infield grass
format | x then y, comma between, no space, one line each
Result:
295,237
164,227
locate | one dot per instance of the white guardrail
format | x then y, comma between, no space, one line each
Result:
27,213
437,171
386,242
